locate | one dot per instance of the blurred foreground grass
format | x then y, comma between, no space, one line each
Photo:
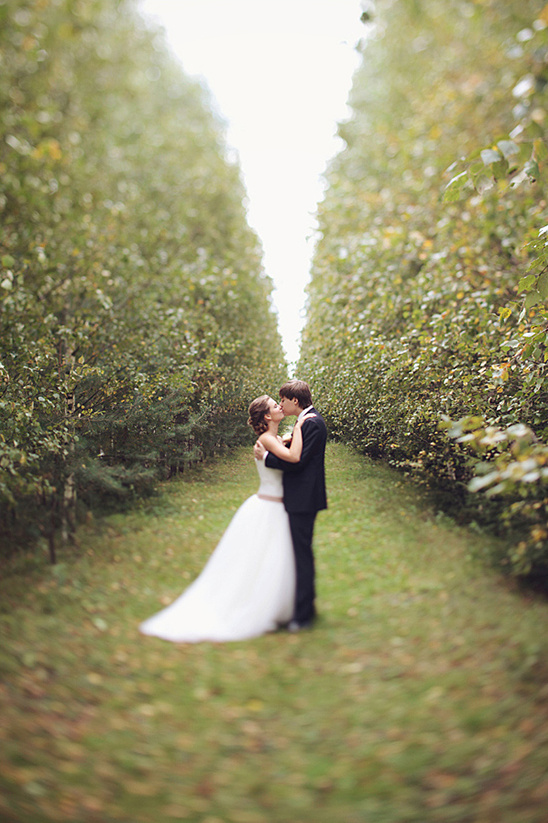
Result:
420,696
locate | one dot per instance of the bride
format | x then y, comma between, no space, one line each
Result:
247,587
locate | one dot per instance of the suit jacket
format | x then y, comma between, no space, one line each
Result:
304,482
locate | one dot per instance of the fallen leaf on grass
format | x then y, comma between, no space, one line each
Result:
255,705
440,780
433,694
146,709
100,624
34,788
352,668
142,788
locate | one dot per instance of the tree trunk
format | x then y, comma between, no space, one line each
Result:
51,532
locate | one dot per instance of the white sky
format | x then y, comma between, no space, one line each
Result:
280,73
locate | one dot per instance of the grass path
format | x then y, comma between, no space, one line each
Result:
420,697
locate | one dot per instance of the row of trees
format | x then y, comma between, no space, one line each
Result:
427,325
136,319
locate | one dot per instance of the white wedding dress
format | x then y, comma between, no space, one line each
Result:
247,587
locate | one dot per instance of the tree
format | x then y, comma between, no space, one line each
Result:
136,317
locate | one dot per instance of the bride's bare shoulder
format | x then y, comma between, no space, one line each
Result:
266,437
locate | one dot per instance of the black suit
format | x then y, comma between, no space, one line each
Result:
304,497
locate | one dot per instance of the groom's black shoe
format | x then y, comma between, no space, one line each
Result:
294,626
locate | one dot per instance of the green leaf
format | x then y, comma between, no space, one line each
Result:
541,149
8,261
508,148
478,483
454,188
542,285
532,299
483,183
531,169
500,169
476,168
490,156
526,282
533,130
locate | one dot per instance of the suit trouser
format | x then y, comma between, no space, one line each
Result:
301,525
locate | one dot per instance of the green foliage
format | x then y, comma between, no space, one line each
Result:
429,289
511,464
136,319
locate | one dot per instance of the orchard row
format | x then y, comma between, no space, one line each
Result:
427,326
136,319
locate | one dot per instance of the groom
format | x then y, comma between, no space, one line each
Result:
304,493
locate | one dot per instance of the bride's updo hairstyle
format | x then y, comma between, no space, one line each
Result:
258,408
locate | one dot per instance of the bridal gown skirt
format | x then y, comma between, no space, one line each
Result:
247,587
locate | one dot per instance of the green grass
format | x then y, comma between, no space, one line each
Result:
420,695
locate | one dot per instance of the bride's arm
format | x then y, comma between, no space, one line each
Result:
291,454
273,446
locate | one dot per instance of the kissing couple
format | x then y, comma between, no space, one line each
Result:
261,575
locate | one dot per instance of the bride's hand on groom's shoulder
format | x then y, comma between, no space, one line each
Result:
308,416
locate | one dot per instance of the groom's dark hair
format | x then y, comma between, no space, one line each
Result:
297,390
